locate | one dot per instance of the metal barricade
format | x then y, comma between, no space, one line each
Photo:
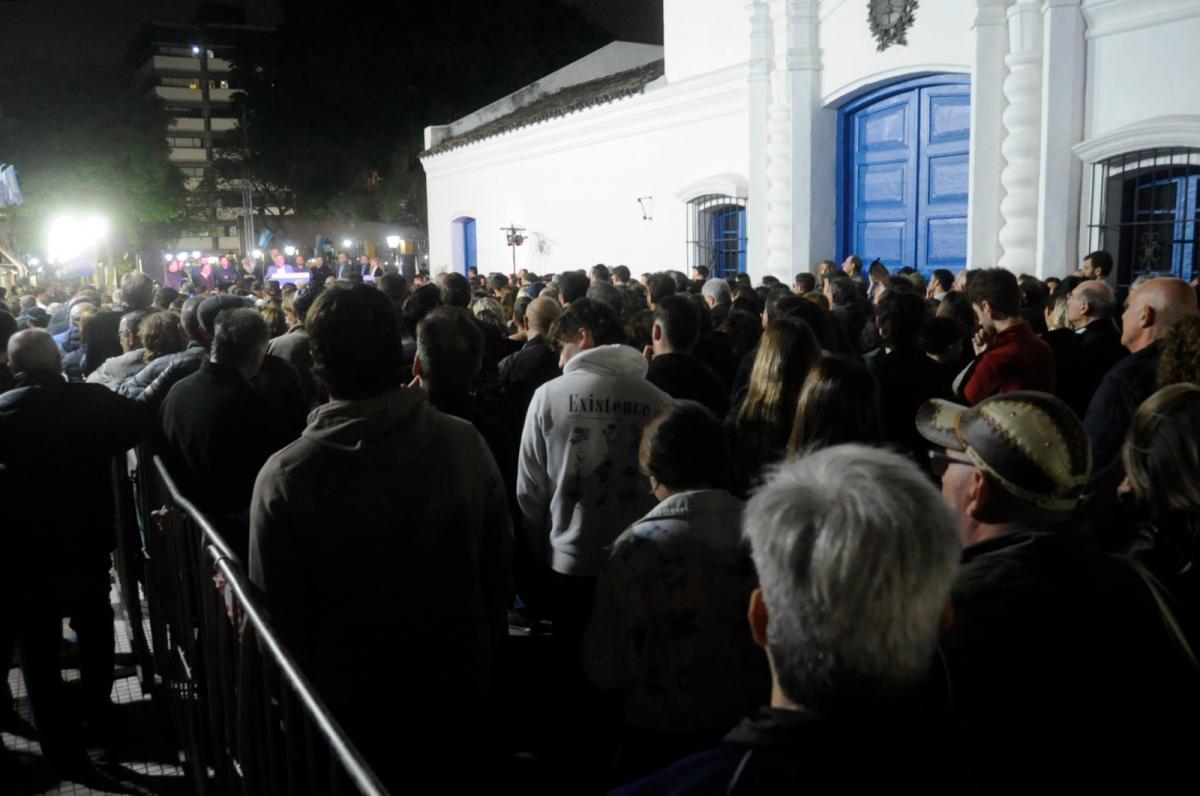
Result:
246,717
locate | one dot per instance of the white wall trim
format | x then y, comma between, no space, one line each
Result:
721,184
869,82
1183,130
1107,17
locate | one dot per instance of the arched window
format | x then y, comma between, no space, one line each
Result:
1144,211
716,235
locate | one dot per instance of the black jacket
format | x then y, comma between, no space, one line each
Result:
907,379
912,750
1065,649
684,377
1111,410
57,442
1099,350
520,375
217,433
151,384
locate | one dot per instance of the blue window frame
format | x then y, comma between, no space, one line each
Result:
1144,211
717,234
903,173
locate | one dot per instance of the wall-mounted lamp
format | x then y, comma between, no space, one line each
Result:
647,205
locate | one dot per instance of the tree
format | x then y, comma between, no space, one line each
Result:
335,105
89,139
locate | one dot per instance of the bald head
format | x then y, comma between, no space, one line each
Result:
540,314
33,350
1153,309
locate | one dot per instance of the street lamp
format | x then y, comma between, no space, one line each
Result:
347,243
196,255
394,242
258,254
290,251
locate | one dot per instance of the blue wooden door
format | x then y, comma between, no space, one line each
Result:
904,174
470,259
728,235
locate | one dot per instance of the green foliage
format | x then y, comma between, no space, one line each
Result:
336,104
89,140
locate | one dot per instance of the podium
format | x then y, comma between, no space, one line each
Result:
297,278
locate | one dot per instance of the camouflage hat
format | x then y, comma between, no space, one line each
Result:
1030,443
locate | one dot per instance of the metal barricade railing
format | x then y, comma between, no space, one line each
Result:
248,720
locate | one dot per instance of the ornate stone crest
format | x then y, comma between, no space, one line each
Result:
890,21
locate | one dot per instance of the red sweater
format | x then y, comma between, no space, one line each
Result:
1015,359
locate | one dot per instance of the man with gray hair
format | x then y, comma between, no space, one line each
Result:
1090,310
720,300
218,430
854,586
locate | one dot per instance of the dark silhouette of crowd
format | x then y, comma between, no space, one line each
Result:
870,530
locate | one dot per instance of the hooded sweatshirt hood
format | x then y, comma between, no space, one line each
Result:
608,361
355,425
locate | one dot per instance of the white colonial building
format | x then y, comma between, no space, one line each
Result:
766,135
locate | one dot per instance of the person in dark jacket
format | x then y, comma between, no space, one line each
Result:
1091,307
293,348
387,521
53,433
218,430
520,374
851,660
673,368
1052,642
151,383
1150,312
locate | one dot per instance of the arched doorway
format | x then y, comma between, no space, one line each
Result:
903,164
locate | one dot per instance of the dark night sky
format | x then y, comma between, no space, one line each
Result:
91,31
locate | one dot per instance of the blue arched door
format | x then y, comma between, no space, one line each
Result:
903,160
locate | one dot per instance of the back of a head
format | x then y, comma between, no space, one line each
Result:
354,333
939,334
600,273
597,317
787,351
843,291
161,333
878,271
621,274
855,581
394,286
944,279
541,314
496,282
718,290
659,286
1162,458
137,289
33,351
839,403
1033,291
131,322
679,318
683,447
1180,360
240,338
455,291
164,297
998,287
423,301
899,316
610,294
450,350
189,316
806,282
1101,301
572,286
213,306
956,305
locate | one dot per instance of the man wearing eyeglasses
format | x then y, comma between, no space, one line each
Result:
1058,656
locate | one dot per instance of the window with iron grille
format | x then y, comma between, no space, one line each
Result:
716,234
1144,212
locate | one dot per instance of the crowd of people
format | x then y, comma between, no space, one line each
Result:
865,530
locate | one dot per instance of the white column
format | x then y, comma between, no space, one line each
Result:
987,135
1022,141
814,144
1064,79
779,150
759,79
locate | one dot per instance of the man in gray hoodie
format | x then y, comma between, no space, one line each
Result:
382,541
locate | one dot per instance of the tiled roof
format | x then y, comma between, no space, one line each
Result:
561,103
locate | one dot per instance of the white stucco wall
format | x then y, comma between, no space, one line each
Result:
703,36
574,182
940,40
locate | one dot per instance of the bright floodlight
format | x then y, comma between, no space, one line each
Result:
195,50
393,241
181,256
69,236
195,255
34,261
289,250
347,243
168,257
258,254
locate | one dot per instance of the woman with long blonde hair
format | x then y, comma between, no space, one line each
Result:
787,351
